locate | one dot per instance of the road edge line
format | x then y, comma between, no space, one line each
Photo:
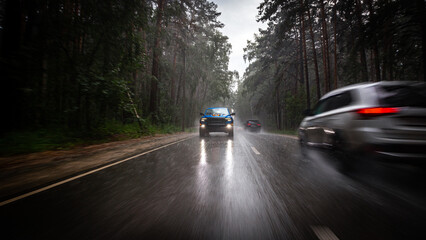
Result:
324,233
25,195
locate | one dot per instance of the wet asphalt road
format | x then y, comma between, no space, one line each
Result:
251,186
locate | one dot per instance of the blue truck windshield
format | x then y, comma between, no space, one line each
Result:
221,111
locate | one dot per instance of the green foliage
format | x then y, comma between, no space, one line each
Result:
29,141
114,128
37,140
295,104
87,66
370,40
286,132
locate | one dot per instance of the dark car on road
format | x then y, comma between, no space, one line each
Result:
252,125
217,119
385,119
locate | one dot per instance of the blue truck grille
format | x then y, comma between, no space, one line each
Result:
216,121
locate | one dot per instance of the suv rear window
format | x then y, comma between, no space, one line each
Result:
410,95
333,102
253,121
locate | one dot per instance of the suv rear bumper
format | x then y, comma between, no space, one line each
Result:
403,152
403,145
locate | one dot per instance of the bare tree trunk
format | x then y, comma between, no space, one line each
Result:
314,51
372,68
278,107
183,90
326,54
302,75
153,108
10,47
173,78
146,67
377,63
421,16
375,52
387,50
277,98
305,56
363,56
335,43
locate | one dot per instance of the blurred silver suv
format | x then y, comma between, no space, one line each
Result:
386,118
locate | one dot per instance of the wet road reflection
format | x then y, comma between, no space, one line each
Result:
216,188
229,161
203,160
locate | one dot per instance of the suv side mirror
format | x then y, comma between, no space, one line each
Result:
202,114
233,114
307,112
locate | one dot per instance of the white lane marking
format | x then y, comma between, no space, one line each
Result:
324,233
84,174
255,150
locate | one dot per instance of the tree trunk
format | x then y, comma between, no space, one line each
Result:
173,78
300,68
314,51
363,56
326,54
278,107
10,46
305,56
372,68
387,49
335,43
421,18
183,90
153,107
375,52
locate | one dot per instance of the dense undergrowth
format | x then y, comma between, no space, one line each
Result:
29,141
287,132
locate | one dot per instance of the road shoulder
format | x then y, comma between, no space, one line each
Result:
20,174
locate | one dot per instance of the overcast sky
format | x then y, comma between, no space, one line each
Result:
239,17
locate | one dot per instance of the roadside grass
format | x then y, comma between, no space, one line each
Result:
30,141
191,129
287,132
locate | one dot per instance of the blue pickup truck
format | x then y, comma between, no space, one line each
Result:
217,119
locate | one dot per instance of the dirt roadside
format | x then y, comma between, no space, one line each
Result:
20,174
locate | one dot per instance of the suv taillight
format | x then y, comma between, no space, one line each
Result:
377,111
